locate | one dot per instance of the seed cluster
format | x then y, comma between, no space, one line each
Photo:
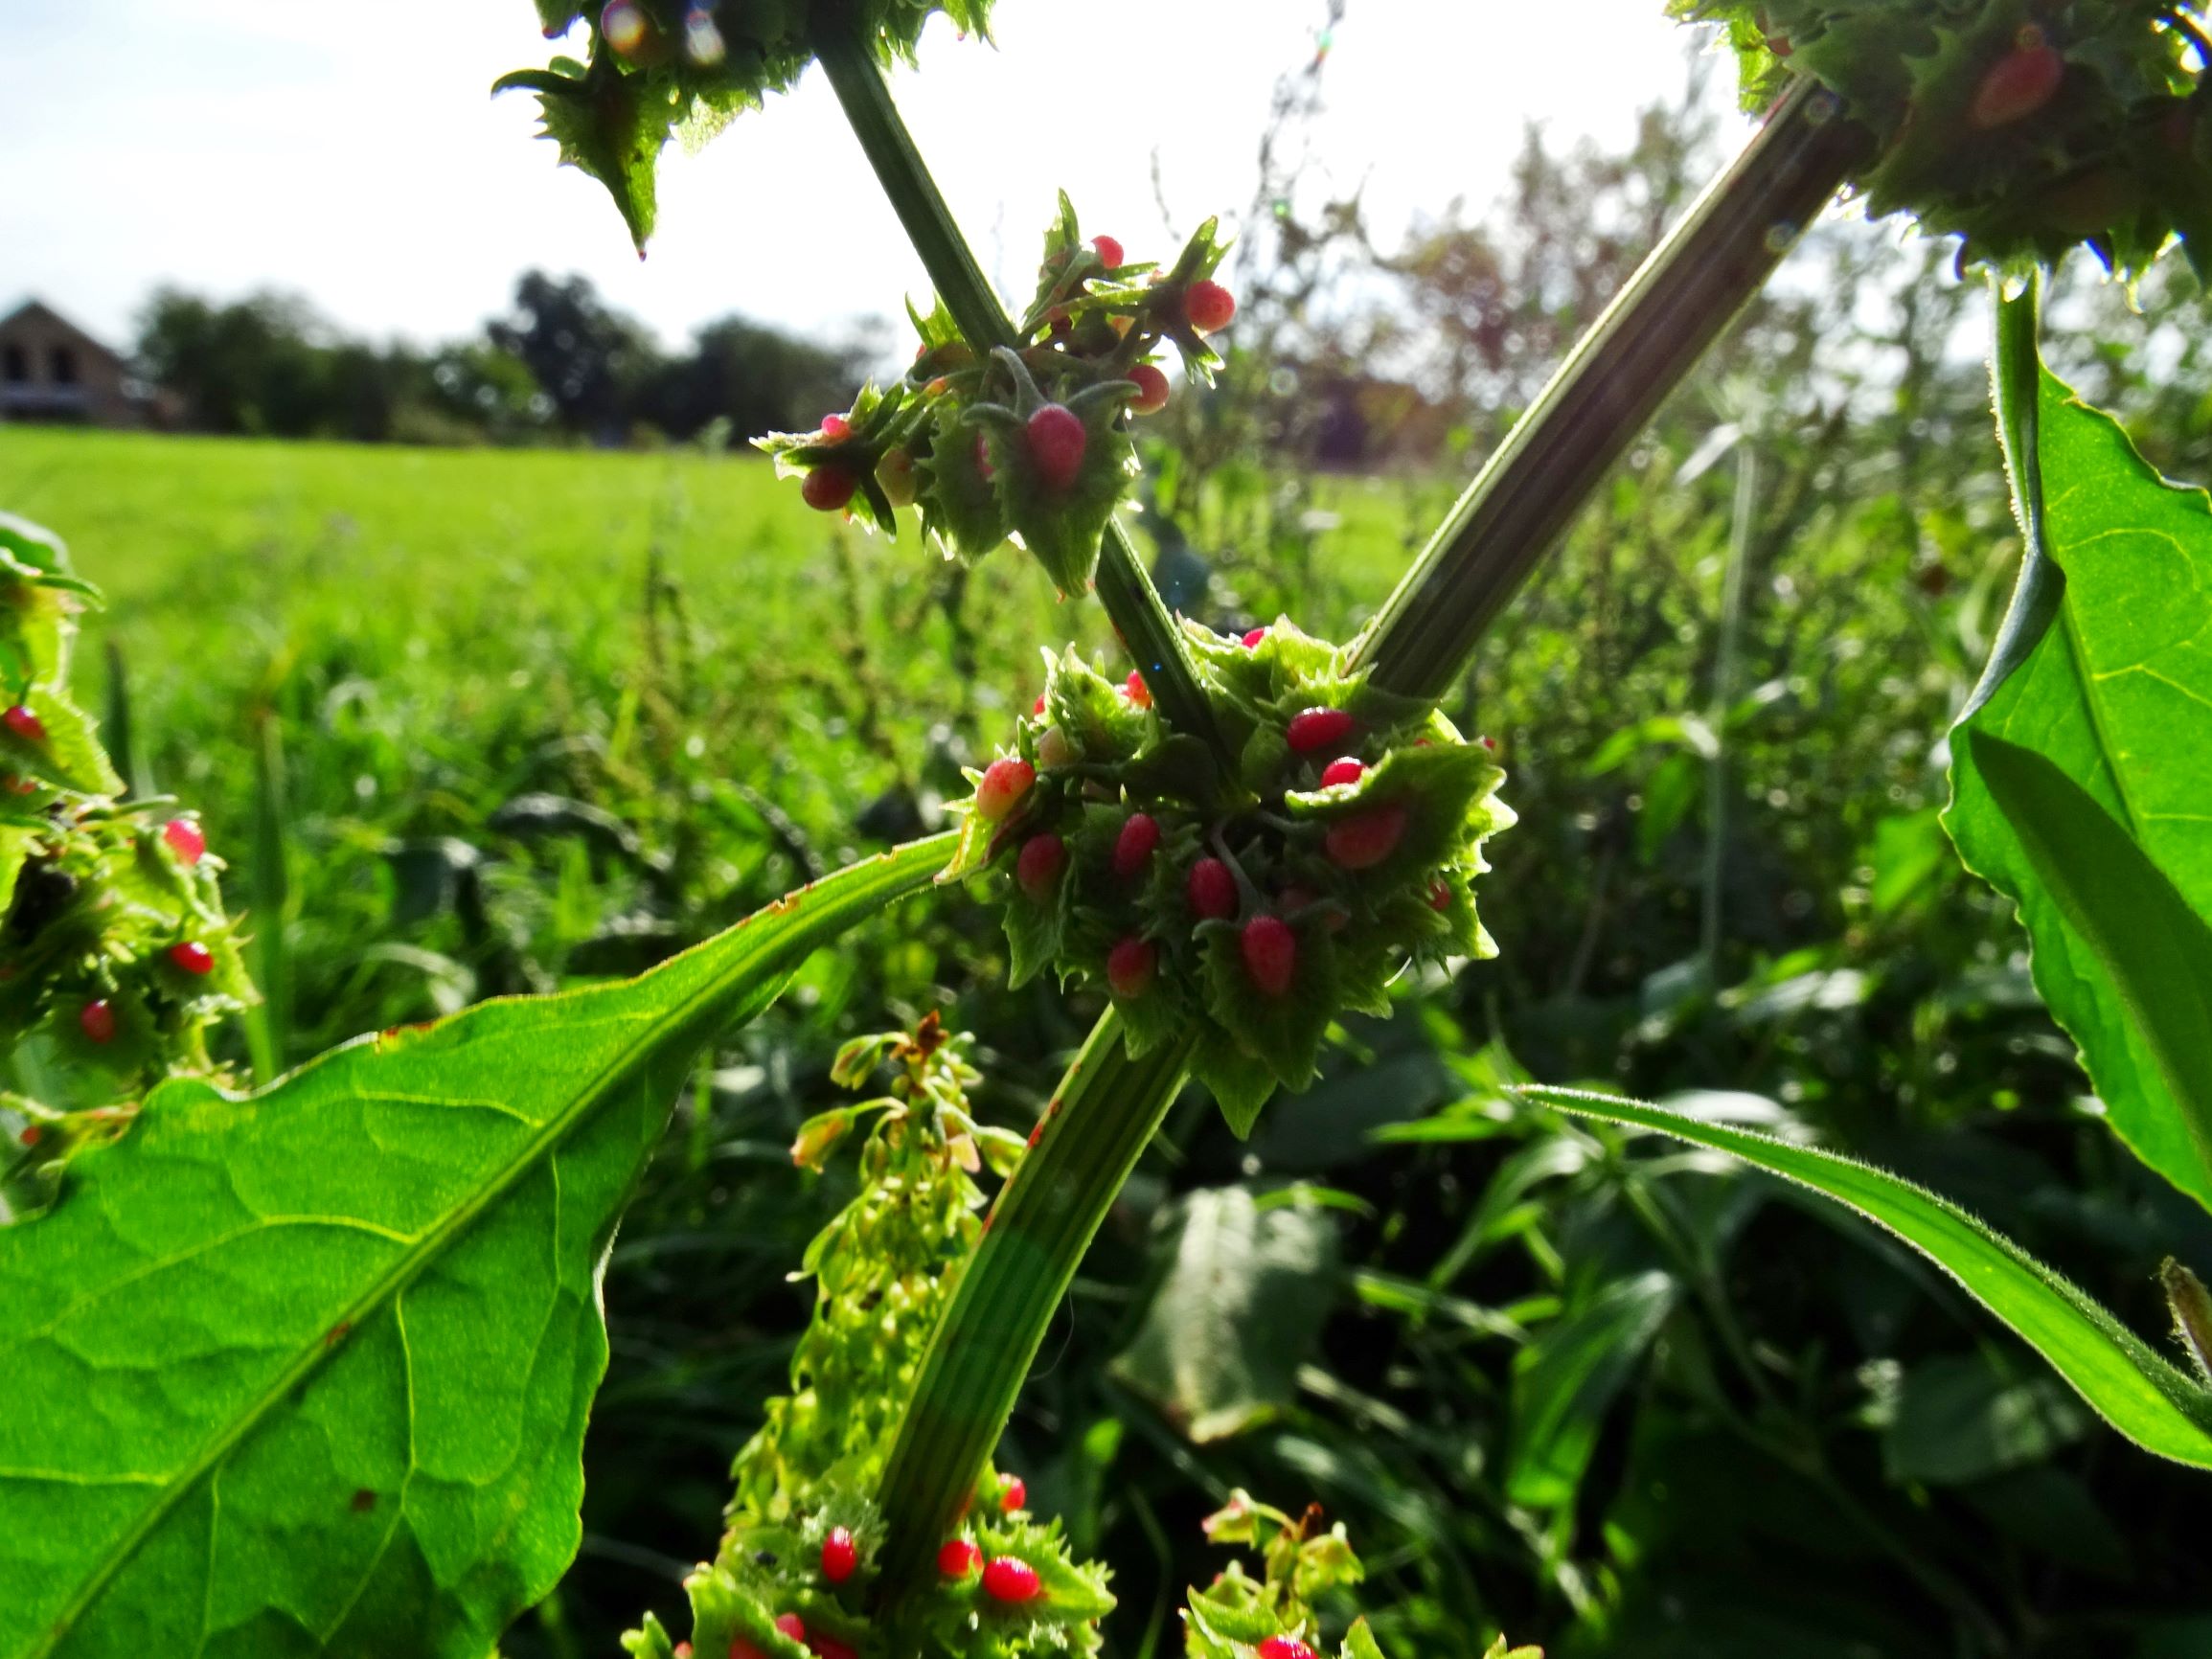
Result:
1256,907
2020,126
1031,442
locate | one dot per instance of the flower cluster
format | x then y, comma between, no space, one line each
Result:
113,942
658,69
1253,908
2023,127
1030,443
1272,1616
798,1560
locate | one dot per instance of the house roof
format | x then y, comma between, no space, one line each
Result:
39,312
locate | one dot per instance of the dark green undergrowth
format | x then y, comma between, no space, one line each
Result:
468,723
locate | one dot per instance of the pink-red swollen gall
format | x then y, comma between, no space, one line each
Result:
1313,729
186,839
1056,442
958,1557
1208,306
1110,252
1211,890
1152,390
1362,842
1011,1579
2018,83
840,1555
1005,782
97,1020
1037,867
193,957
1130,967
1345,770
1270,951
1285,1647
827,488
1134,846
25,724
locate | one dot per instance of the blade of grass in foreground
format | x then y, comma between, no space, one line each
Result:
2128,1383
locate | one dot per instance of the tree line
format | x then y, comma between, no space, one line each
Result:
562,365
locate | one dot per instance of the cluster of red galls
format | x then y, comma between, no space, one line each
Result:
1267,943
184,838
1007,1578
1053,434
96,1019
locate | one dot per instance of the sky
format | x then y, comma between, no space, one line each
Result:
350,155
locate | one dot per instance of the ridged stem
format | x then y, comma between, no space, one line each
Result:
1134,606
1640,348
1109,1106
1099,1123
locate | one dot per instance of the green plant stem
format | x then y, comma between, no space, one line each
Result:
2016,377
1133,605
1640,349
1109,1106
1096,1127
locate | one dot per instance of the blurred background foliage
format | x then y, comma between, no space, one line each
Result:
468,723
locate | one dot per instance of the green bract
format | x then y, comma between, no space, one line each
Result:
1305,1561
659,69
1363,874
2022,128
953,438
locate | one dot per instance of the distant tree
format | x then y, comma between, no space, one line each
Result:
254,366
482,385
564,362
587,358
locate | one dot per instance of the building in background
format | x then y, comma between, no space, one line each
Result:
52,371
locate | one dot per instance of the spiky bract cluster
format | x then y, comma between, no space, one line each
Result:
658,69
1273,1616
2022,126
113,941
971,441
884,1269
1267,902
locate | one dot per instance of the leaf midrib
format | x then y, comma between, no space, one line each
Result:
398,1279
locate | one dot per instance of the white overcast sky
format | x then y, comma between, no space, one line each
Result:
351,153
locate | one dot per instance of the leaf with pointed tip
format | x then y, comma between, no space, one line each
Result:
2082,770
2135,1388
306,1372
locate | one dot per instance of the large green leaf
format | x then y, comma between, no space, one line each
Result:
1563,1381
2125,1381
306,1372
1243,1302
2082,775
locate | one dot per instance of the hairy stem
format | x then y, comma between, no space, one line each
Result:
1132,603
1109,1106
1097,1126
1678,303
